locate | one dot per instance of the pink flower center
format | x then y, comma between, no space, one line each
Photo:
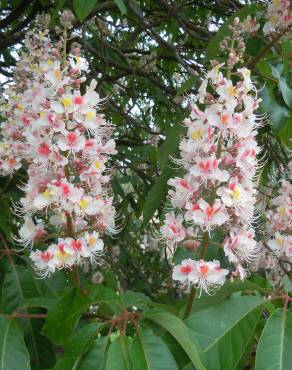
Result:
224,117
78,100
186,269
76,245
204,269
44,150
46,256
72,138
210,211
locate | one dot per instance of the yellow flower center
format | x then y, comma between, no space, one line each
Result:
236,193
90,115
280,240
50,62
66,102
83,203
57,74
48,193
282,212
91,241
197,135
231,91
97,165
62,256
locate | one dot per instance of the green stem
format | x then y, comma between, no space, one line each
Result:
192,295
205,242
190,302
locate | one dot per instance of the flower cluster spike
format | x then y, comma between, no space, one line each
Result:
280,221
278,16
54,128
219,157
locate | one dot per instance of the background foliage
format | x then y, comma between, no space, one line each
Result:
146,56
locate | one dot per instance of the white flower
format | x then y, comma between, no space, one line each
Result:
206,216
173,230
94,245
204,275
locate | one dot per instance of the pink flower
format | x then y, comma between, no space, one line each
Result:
204,275
206,216
241,247
72,141
173,231
208,169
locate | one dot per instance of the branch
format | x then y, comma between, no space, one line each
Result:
16,13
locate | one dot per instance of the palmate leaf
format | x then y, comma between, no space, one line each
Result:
64,316
77,346
180,332
21,290
118,357
13,353
275,346
95,358
149,352
224,331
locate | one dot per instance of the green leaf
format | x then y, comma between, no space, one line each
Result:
224,331
285,133
118,355
286,92
18,285
277,113
39,302
223,293
170,145
13,353
77,346
287,283
187,85
40,348
179,331
213,46
149,352
64,316
5,217
95,358
156,195
178,353
21,289
83,8
275,345
130,298
286,51
121,5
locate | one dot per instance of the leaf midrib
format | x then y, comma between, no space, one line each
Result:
230,328
195,351
4,343
283,322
